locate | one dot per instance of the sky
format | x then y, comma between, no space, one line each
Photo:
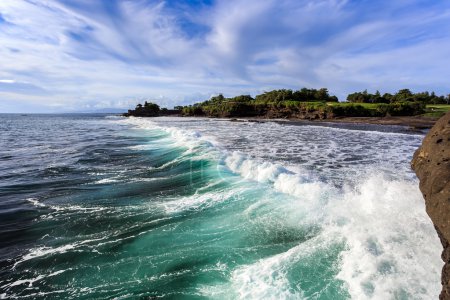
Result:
82,55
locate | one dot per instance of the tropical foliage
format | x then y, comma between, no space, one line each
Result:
404,95
307,103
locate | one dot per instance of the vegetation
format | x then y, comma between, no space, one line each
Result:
151,110
274,103
313,104
404,95
308,104
437,110
147,110
305,95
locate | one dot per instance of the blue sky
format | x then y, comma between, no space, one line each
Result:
89,54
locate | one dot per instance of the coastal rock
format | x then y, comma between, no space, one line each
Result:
431,162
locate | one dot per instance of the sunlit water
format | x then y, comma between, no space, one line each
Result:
108,207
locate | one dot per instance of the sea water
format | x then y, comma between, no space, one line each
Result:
101,207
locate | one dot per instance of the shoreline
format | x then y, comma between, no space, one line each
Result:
413,122
416,122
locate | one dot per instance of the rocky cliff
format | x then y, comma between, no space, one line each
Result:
431,162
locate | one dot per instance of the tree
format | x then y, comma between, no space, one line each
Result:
322,94
333,99
242,99
403,95
357,97
217,99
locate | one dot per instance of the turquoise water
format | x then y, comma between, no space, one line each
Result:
101,207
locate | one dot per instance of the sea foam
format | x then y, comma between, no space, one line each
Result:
391,251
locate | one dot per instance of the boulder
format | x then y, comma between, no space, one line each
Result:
431,162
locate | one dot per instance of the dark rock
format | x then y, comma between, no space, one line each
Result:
431,162
142,112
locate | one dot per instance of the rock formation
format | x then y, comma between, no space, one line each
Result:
431,162
150,110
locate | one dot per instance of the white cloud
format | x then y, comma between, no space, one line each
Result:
84,55
7,81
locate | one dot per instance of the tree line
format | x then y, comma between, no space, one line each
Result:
322,95
303,103
404,95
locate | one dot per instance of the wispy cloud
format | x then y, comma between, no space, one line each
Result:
7,81
81,53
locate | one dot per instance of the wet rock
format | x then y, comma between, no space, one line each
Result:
431,162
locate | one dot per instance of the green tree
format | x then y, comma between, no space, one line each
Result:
217,99
403,95
322,94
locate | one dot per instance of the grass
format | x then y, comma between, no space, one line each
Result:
436,110
365,105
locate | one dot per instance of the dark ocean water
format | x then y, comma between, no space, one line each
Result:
101,207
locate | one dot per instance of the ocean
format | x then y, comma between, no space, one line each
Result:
107,207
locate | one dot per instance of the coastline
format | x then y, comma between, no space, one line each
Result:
413,122
417,122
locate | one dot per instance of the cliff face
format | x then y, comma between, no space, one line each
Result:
431,162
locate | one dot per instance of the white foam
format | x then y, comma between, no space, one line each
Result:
45,251
281,178
184,138
106,180
267,278
392,248
310,191
33,280
254,170
35,202
60,208
198,201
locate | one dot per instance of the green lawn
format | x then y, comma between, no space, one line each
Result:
365,105
436,110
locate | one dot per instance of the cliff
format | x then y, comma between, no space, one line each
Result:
431,162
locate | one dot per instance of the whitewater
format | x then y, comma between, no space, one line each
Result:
209,208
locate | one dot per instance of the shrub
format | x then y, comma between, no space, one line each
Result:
406,108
